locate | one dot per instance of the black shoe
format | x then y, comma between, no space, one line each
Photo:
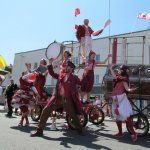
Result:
8,115
36,133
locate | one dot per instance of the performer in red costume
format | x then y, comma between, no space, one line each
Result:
121,107
22,98
66,58
66,97
41,73
83,34
88,75
62,65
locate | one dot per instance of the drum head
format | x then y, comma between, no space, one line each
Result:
53,50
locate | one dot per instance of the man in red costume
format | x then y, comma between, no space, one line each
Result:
66,96
83,35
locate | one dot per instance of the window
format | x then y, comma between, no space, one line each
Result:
97,58
96,79
53,81
75,60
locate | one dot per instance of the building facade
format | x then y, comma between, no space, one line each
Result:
136,51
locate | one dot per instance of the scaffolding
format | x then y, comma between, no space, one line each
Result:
127,50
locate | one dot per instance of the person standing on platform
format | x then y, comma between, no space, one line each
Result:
84,33
87,81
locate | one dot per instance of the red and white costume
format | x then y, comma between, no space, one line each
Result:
120,100
84,37
88,76
41,79
23,97
121,107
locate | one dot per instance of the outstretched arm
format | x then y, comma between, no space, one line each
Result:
128,88
112,72
107,22
104,62
98,32
50,69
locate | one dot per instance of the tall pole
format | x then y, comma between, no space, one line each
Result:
109,17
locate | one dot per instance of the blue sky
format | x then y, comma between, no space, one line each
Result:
34,24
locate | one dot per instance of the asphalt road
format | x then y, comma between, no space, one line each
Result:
99,137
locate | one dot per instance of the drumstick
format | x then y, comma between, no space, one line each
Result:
107,22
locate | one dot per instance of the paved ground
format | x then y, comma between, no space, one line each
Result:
100,137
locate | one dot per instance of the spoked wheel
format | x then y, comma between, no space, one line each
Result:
83,120
36,112
140,124
96,116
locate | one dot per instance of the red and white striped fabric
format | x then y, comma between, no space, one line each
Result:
145,16
23,98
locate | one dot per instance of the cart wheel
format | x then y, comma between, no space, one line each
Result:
96,116
36,112
83,120
140,124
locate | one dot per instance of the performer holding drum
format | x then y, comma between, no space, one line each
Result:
66,96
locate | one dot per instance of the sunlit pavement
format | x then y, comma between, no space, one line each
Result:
98,137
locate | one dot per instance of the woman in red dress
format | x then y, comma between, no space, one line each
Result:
23,97
121,107
88,75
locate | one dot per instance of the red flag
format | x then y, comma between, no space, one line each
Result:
145,16
76,27
77,11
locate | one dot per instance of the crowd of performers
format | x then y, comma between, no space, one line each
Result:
66,93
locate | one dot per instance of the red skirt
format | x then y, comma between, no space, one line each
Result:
87,81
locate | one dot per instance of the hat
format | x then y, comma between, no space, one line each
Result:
91,53
123,67
69,63
68,53
44,61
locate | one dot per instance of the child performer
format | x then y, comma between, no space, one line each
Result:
88,75
22,98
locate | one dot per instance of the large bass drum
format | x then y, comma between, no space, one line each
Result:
55,51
